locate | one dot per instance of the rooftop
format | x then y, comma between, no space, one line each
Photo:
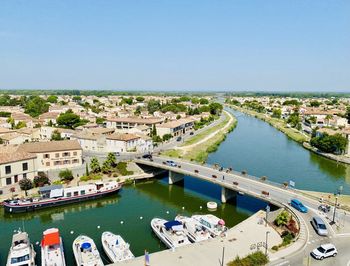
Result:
50,146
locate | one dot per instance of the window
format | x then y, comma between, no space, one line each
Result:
75,153
69,194
82,192
8,181
76,193
75,161
25,166
66,162
16,178
47,156
57,155
66,154
24,175
47,163
8,169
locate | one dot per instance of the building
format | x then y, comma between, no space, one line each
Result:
131,122
55,154
16,165
175,128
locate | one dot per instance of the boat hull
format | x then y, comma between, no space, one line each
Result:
10,208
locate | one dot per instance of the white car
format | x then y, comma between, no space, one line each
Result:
324,251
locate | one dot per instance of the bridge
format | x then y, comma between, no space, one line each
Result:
231,182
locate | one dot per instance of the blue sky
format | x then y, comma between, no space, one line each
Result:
298,45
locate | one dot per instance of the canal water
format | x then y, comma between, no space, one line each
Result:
145,199
262,150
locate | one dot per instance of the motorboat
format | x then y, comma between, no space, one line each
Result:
21,251
115,247
85,252
171,233
195,231
213,224
52,253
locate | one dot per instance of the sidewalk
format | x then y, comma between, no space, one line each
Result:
241,240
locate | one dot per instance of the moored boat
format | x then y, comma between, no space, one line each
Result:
213,224
195,231
115,247
52,253
171,233
21,251
57,195
85,252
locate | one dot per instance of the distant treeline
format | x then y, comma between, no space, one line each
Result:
290,94
101,93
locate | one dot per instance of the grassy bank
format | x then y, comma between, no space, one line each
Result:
200,152
343,200
277,123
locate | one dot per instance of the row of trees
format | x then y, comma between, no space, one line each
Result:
330,143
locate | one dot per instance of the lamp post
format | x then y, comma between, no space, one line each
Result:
266,246
335,208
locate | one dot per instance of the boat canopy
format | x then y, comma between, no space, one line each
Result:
175,225
49,188
56,193
51,238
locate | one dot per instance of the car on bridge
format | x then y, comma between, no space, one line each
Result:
324,251
295,203
171,163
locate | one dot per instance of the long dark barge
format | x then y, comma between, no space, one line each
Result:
52,196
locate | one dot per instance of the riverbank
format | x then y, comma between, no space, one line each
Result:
198,148
343,200
279,124
240,240
337,158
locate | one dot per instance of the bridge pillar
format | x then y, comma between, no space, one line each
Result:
227,194
175,177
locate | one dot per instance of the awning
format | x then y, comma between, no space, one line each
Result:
51,239
175,225
56,193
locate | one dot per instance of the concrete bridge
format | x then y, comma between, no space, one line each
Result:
231,182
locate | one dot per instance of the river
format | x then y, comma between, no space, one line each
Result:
261,150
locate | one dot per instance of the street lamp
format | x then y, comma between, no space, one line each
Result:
335,208
266,246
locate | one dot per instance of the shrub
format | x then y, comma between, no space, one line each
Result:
40,180
121,166
275,248
282,218
66,175
255,259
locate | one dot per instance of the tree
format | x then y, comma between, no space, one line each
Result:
76,98
52,99
166,137
69,120
140,99
178,117
40,180
20,124
347,114
111,159
106,167
328,118
66,175
137,110
329,143
56,135
315,103
127,101
25,184
215,108
36,106
294,119
282,218
95,165
153,105
203,101
87,173
154,131
277,113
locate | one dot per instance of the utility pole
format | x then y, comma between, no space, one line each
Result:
335,208
266,246
223,256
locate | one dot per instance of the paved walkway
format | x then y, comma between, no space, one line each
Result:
244,238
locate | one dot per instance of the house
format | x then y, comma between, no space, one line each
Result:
46,132
54,154
14,138
131,122
49,118
91,142
32,133
16,165
175,128
125,142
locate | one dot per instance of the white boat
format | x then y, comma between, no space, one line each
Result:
213,224
115,247
171,233
21,251
85,252
52,248
195,231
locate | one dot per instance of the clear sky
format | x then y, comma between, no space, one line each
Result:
175,45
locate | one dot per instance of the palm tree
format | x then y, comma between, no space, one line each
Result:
328,117
111,159
95,165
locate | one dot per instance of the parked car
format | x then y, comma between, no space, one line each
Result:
191,133
319,226
147,156
171,163
325,208
298,205
214,176
324,251
117,153
178,139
